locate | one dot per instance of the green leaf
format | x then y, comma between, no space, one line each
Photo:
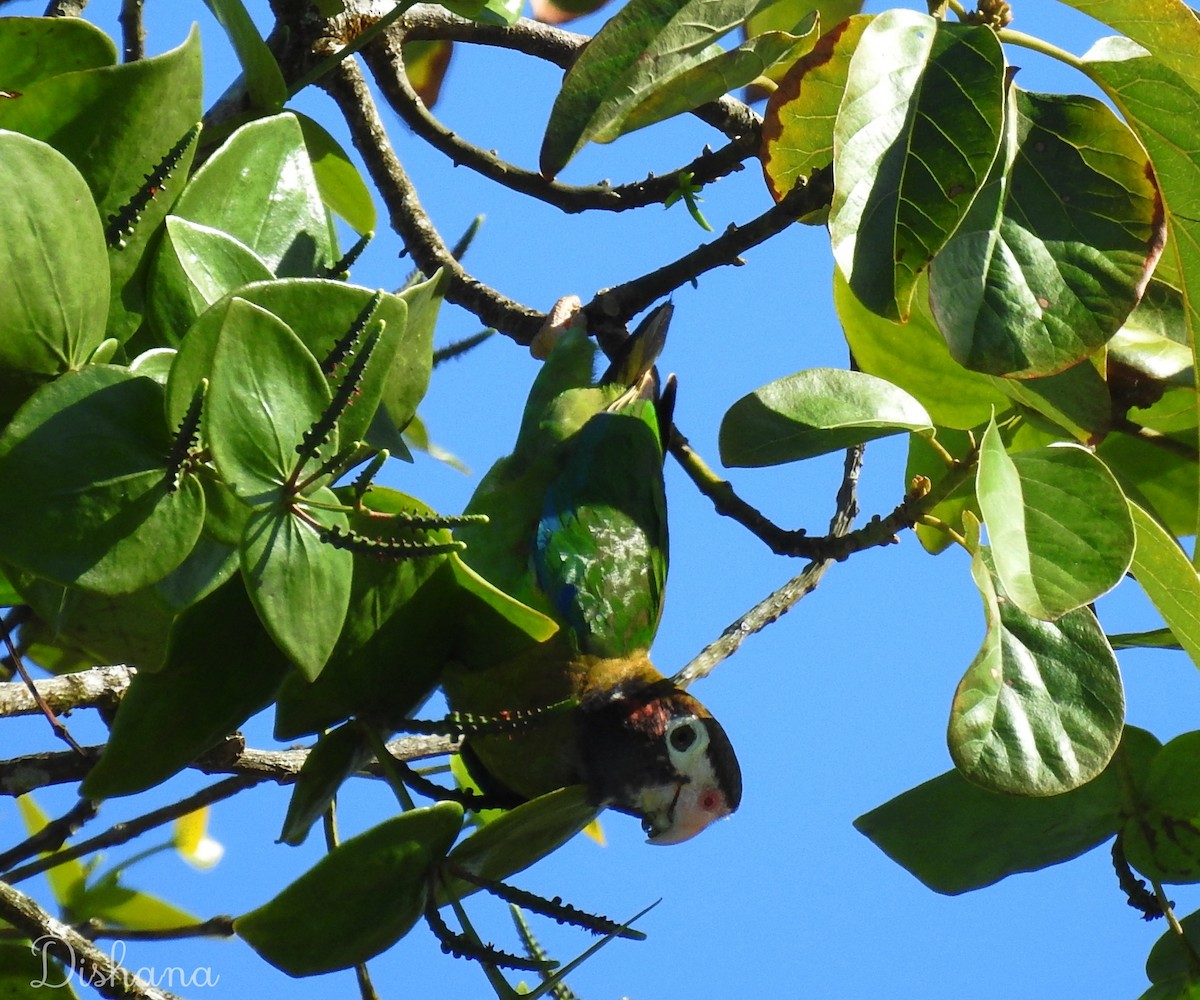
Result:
1058,523
264,81
715,77
799,118
1075,400
319,312
1057,248
646,44
87,497
956,837
341,185
67,879
194,267
1169,580
26,970
917,131
36,48
1162,839
1040,709
814,412
358,900
116,123
267,391
1159,638
337,755
1165,27
783,15
1159,95
54,240
518,838
914,357
299,585
1168,958
130,628
221,669
119,906
259,187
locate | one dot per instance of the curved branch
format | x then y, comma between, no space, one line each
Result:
777,604
386,62
93,966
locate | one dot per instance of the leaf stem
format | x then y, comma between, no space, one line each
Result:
387,765
1168,910
1041,45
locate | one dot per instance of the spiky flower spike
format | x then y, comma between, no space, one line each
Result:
462,946
122,222
184,449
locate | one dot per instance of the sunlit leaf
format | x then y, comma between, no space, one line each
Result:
341,185
918,128
264,81
643,46
37,48
1057,248
1162,839
814,412
1169,580
1058,523
784,14
1041,707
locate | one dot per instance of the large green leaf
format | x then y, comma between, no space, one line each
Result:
1041,707
1162,839
320,312
914,357
341,185
1057,248
116,123
955,836
26,971
518,838
1076,400
37,48
267,391
264,81
336,756
814,412
918,129
53,318
783,14
260,188
358,900
1058,523
194,267
643,46
221,668
1169,580
87,499
1172,960
1159,95
799,118
722,73
299,584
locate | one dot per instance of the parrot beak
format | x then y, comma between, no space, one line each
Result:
675,813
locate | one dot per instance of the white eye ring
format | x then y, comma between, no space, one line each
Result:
686,738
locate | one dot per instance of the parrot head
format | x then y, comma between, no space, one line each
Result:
653,751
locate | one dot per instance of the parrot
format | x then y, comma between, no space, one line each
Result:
576,528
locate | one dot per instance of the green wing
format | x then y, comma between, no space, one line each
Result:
600,552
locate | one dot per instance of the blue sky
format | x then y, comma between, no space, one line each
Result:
836,708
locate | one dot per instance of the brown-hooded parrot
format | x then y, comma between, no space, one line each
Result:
577,529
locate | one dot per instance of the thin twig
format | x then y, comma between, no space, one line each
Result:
133,31
65,8
122,833
56,724
791,593
52,836
101,687
91,964
221,926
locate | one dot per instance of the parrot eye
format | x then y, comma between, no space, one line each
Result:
683,736
686,738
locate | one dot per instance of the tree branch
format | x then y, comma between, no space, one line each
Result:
100,687
89,962
385,59
777,604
